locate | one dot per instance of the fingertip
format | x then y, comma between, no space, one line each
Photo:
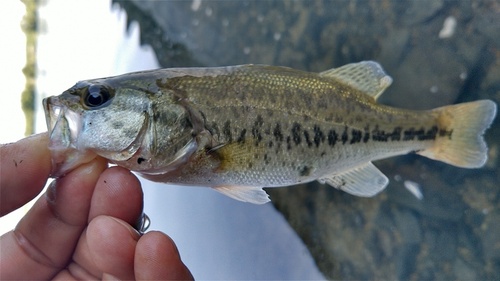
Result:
121,175
118,194
157,257
25,167
111,244
70,196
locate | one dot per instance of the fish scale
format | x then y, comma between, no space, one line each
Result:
238,129
350,124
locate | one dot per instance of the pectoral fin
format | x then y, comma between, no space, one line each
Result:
364,180
237,156
250,194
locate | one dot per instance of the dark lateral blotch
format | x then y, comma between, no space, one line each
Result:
241,137
305,171
226,130
332,137
278,135
296,133
430,134
379,135
409,134
345,137
366,136
445,133
307,138
256,129
356,136
319,137
396,134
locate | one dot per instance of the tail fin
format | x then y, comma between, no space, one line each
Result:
465,146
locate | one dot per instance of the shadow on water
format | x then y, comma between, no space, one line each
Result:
454,231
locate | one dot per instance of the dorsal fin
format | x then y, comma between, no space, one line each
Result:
366,76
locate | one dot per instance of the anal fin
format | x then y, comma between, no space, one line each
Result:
364,180
250,194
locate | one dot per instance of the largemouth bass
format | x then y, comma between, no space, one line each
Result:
238,129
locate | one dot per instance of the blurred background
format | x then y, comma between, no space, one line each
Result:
434,221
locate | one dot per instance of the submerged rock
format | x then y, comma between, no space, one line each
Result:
452,232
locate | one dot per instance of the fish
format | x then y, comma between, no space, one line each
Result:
238,129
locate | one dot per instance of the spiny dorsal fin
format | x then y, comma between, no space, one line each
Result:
364,180
366,76
250,194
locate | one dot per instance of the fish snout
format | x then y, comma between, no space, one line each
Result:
63,127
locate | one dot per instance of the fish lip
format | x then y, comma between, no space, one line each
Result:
51,114
56,123
63,126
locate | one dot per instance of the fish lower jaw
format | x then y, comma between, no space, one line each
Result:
64,161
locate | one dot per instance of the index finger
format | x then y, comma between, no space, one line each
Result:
24,169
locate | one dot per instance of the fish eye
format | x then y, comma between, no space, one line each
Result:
97,96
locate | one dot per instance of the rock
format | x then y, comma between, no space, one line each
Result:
489,234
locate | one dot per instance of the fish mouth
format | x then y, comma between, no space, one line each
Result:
64,126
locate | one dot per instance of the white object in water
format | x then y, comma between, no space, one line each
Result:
414,188
449,25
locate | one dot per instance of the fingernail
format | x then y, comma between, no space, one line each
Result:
107,276
51,193
133,232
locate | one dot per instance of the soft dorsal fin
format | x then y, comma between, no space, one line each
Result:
250,194
366,76
364,180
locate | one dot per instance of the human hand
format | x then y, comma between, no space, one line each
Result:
82,227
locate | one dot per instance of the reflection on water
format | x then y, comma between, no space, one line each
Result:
454,231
